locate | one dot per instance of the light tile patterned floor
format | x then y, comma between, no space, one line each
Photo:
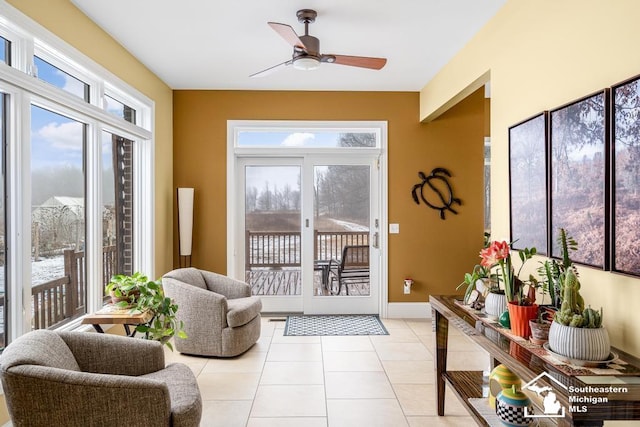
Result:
384,381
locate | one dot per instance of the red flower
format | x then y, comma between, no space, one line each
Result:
496,252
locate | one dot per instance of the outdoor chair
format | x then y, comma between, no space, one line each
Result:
353,267
220,316
78,379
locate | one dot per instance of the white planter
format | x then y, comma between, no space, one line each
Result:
579,343
495,304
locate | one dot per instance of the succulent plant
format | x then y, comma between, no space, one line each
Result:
572,311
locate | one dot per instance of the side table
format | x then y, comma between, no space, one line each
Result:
112,315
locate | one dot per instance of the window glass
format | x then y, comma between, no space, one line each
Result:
4,301
120,109
5,51
57,218
307,139
117,206
65,81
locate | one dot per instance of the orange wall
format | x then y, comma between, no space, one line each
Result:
435,253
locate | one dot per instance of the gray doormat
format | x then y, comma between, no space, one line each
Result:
325,325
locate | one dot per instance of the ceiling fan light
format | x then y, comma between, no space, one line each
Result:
306,63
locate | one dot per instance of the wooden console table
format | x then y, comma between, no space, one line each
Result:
529,366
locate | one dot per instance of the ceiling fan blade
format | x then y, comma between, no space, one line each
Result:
356,61
287,33
270,70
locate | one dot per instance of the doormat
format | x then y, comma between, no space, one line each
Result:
326,325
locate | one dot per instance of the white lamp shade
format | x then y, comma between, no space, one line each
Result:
185,219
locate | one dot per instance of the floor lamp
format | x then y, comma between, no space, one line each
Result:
185,225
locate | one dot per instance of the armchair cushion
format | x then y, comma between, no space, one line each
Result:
242,310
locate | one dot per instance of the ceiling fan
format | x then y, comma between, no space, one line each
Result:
306,49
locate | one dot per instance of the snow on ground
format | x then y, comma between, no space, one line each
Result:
350,226
47,269
42,271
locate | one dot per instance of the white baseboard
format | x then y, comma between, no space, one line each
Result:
409,310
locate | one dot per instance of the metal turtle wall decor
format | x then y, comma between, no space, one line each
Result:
438,194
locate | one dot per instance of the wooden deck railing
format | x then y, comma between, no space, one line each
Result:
283,248
61,300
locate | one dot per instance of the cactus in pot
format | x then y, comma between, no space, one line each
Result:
577,332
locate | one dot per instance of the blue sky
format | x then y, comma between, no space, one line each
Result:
56,140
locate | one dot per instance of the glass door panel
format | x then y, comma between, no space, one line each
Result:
272,234
344,258
341,228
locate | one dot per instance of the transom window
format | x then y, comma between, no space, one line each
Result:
61,79
5,51
120,109
307,138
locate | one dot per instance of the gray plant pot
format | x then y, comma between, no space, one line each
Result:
579,343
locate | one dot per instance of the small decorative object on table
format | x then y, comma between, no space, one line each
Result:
513,407
501,378
577,332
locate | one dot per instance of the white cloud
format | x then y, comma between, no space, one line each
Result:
298,139
71,84
66,136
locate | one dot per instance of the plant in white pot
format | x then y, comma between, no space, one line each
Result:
577,332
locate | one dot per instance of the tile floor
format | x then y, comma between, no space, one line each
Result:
333,381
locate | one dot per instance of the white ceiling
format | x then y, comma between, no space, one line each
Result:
215,44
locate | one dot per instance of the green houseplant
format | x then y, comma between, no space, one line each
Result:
521,306
125,289
553,272
142,294
577,332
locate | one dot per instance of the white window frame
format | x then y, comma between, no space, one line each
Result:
27,37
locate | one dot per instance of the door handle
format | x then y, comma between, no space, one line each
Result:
376,243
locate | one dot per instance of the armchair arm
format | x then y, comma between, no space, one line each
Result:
226,286
44,396
112,354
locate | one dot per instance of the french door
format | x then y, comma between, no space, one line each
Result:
307,232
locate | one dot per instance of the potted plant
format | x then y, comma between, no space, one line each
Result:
143,294
522,308
553,271
539,329
577,332
471,280
124,290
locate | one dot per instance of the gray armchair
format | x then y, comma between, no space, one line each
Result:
220,316
82,378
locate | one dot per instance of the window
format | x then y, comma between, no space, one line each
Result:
117,205
70,225
306,138
65,81
120,109
5,51
57,218
3,235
